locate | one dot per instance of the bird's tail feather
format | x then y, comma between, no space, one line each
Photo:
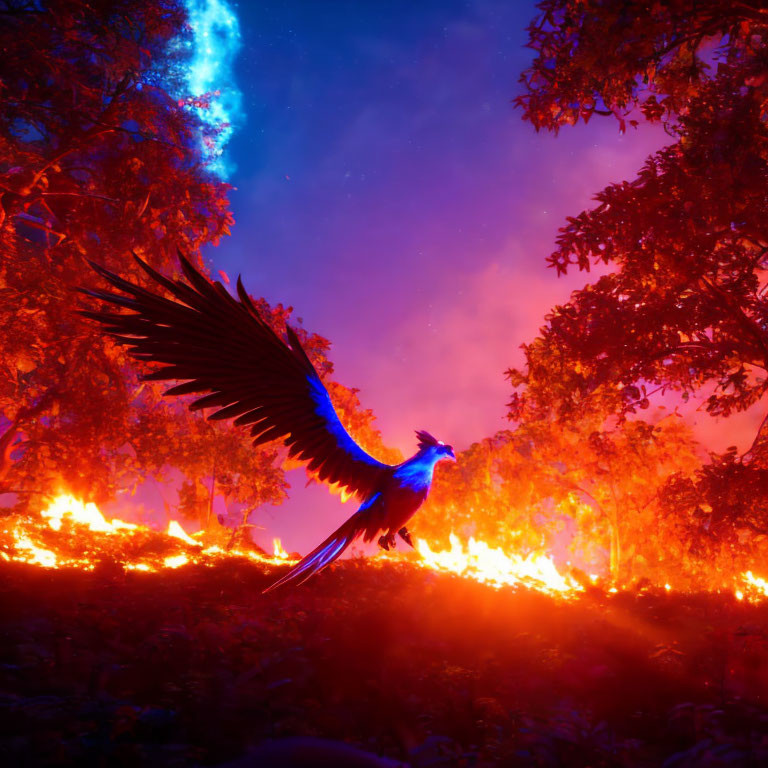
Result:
323,555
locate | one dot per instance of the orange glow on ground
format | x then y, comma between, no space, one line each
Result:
481,562
72,534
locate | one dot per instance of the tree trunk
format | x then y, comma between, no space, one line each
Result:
6,448
6,439
211,496
615,561
240,537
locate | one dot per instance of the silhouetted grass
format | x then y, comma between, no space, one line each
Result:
195,667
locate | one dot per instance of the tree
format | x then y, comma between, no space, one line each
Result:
494,492
618,474
97,159
683,308
721,510
604,483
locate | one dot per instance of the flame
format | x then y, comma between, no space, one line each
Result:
66,507
753,588
277,550
72,534
175,561
36,555
488,565
175,530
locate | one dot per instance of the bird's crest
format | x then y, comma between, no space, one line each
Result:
426,440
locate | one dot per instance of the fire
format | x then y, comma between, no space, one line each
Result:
175,530
33,554
495,567
72,534
67,507
175,561
753,588
278,552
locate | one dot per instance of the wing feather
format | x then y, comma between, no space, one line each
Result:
220,347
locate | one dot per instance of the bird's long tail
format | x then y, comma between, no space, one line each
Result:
325,554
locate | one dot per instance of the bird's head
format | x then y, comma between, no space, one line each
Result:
438,448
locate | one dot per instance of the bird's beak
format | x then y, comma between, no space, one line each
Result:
451,456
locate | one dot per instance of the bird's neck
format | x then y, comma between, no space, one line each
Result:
418,470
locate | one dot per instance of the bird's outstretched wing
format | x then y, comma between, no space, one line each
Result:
224,349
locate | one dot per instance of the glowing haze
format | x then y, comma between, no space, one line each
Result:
209,86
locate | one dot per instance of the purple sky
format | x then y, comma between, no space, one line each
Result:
387,189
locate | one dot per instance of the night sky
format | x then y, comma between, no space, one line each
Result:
388,190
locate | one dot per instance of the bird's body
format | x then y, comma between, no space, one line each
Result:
404,490
223,349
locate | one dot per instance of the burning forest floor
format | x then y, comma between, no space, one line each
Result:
194,666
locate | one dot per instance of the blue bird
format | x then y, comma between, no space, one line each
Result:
221,348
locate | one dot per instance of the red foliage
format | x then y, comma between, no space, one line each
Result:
98,160
684,307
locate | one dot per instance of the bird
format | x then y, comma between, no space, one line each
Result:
223,351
